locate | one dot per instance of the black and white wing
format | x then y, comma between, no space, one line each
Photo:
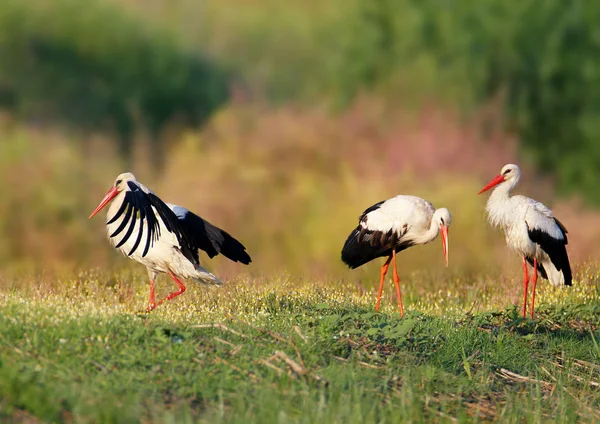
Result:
551,235
384,227
142,207
210,238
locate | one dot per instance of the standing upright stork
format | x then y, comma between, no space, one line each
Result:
391,226
164,237
531,230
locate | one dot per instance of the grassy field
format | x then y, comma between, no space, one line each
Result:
279,350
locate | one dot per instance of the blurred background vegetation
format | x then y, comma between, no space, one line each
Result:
282,121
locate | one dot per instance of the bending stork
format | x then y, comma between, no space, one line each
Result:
391,226
163,237
531,230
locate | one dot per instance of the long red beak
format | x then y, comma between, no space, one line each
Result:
497,180
109,196
444,231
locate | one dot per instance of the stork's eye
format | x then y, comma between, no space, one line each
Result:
118,182
506,172
442,219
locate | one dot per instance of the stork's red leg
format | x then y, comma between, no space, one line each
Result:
534,282
174,294
397,283
384,269
151,302
525,286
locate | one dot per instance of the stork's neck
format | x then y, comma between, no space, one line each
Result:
498,205
430,234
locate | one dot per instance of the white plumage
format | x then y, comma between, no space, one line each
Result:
163,237
391,226
165,252
530,229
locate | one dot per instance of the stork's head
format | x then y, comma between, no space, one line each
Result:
443,219
119,186
509,173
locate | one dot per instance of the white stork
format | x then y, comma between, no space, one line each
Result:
164,237
531,230
391,226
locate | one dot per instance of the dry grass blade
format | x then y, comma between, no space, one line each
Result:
236,350
299,332
297,368
585,364
219,326
218,360
282,339
299,356
223,361
276,336
365,364
548,373
220,340
575,377
513,376
591,410
266,362
294,366
99,366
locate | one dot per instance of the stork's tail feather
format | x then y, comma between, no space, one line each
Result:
350,250
558,270
202,276
358,250
556,267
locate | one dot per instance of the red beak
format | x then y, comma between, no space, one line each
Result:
444,231
497,180
109,196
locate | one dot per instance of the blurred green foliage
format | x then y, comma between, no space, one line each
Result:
542,57
94,67
92,63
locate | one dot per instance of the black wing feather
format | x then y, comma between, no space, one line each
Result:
214,240
555,249
140,233
134,218
118,214
173,225
139,205
123,223
153,230
149,238
363,245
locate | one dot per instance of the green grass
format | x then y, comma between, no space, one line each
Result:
283,351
